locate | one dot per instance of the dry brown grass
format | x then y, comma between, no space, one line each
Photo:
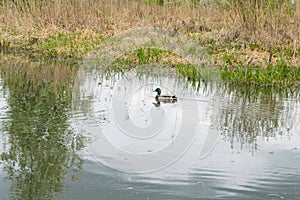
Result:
248,23
104,16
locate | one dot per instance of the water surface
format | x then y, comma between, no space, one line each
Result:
70,132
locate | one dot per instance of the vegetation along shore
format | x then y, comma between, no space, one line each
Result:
251,41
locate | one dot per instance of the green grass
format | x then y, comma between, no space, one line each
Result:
277,75
150,55
135,58
66,45
144,56
273,75
62,45
164,58
196,73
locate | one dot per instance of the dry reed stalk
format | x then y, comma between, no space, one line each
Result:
97,15
259,22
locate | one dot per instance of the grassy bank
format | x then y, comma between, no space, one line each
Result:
279,75
236,34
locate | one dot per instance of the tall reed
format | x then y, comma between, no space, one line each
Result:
268,23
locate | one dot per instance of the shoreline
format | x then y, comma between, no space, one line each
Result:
70,30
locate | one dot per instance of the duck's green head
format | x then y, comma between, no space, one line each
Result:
158,90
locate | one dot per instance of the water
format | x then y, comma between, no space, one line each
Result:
70,132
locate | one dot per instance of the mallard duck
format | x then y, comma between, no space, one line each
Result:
164,98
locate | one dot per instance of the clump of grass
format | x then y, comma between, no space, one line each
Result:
143,56
149,55
67,45
189,71
60,45
196,73
134,58
273,75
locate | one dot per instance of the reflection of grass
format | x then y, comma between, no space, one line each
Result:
244,113
36,76
249,113
41,147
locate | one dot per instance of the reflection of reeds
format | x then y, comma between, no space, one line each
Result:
41,148
250,113
28,79
244,113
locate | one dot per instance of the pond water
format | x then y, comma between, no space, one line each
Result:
81,132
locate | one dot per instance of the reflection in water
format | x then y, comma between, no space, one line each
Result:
251,113
40,146
156,104
262,120
245,113
46,102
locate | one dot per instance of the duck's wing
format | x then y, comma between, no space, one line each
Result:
167,100
168,96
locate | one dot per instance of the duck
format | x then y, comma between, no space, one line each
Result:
164,98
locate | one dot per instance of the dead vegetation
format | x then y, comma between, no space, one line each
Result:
248,30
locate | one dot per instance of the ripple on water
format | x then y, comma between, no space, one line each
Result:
256,156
